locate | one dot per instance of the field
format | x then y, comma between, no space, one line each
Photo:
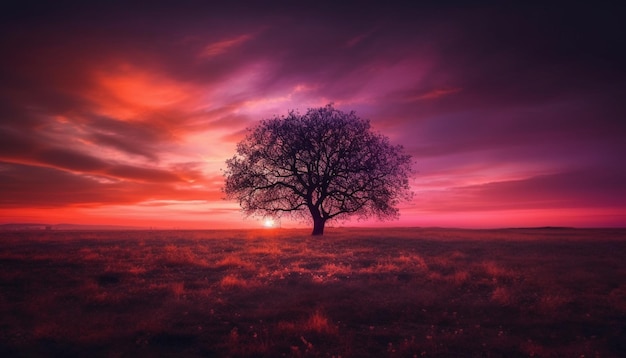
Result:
282,293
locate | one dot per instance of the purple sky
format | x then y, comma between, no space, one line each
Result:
124,114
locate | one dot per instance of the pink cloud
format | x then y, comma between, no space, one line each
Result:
434,94
220,47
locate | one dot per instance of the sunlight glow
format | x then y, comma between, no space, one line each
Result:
269,223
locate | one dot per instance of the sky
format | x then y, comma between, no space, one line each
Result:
124,113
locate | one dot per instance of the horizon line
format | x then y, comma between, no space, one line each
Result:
112,227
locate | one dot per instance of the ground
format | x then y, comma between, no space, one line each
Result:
351,293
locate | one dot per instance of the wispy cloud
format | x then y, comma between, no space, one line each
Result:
220,47
434,94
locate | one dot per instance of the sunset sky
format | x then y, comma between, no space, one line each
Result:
124,115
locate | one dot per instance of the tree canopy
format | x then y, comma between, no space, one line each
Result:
323,165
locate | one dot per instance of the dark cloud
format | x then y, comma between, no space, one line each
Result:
27,186
142,174
35,186
16,142
72,160
138,132
594,188
124,143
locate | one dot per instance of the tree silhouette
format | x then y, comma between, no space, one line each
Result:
323,165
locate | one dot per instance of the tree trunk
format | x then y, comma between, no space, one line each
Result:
318,221
318,226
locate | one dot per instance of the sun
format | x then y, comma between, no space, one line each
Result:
269,222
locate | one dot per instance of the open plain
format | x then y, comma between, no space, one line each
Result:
414,292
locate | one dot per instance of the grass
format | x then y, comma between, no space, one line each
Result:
283,293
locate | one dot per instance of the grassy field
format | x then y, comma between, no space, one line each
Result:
283,293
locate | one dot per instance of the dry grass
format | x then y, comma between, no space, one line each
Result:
411,261
233,261
494,271
459,278
265,248
319,323
316,322
352,293
333,269
617,298
502,296
178,289
550,302
181,256
232,281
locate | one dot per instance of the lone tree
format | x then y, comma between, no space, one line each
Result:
325,163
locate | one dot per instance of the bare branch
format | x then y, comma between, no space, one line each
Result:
326,161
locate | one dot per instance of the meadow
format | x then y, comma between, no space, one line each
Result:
281,293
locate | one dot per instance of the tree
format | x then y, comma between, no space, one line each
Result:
325,164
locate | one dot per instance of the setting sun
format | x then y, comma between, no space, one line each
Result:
269,223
